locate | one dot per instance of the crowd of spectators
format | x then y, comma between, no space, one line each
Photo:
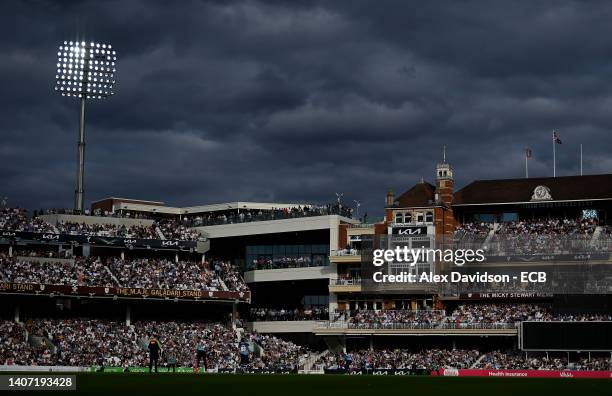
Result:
434,359
550,236
80,272
277,353
249,215
16,219
96,212
138,273
431,359
149,273
537,236
464,315
288,262
108,230
498,360
481,229
43,253
173,229
272,314
226,271
14,348
94,342
498,313
559,227
395,319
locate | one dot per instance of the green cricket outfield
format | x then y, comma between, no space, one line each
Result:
113,384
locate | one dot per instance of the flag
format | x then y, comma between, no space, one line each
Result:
528,153
556,138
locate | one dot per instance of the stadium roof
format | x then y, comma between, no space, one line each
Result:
422,194
205,208
509,191
129,200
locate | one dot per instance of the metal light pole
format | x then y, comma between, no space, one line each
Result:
79,192
85,71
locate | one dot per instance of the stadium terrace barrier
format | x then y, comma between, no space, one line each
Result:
378,371
524,373
133,369
345,252
345,282
131,292
547,257
362,225
433,325
100,240
258,371
414,326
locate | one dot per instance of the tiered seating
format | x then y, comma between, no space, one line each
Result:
16,219
465,315
138,273
430,359
514,361
95,342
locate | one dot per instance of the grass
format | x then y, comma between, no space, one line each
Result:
317,385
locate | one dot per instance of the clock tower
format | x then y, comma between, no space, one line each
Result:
445,186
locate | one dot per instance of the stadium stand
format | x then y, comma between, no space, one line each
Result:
483,314
435,359
140,273
246,216
498,360
431,359
16,219
94,342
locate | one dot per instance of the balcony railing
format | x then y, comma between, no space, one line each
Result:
346,252
346,282
340,324
362,225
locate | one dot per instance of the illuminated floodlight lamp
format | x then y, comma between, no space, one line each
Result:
84,70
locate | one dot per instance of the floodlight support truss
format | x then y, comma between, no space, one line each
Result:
79,192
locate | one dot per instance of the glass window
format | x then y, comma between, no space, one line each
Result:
429,217
398,217
408,217
419,217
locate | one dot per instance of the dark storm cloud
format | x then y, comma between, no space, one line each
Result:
276,101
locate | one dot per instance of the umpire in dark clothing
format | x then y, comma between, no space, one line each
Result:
154,351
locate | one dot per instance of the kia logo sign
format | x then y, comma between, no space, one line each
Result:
409,231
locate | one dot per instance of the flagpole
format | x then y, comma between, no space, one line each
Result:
580,159
526,166
554,155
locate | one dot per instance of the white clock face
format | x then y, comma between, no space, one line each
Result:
541,193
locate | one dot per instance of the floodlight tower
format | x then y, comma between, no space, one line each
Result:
84,71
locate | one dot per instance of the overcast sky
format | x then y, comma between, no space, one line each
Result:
285,102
